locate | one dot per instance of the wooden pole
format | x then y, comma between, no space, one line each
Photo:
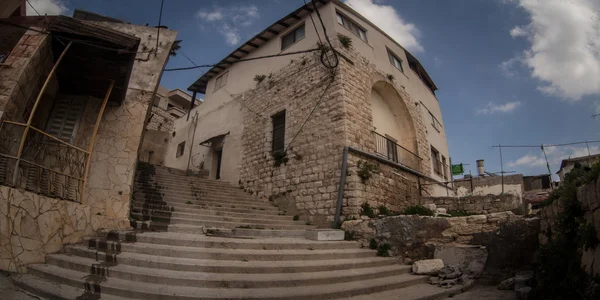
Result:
35,106
93,139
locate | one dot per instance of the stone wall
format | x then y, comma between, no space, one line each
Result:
511,240
481,186
160,120
477,204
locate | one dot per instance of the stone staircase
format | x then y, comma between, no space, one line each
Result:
204,239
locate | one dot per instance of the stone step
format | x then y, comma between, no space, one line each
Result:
225,211
250,219
257,224
417,292
206,204
173,180
221,232
52,290
110,248
141,290
195,191
194,240
167,184
210,214
231,201
217,280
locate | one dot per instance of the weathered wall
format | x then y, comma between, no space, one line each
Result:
510,239
480,186
589,196
154,147
477,204
160,120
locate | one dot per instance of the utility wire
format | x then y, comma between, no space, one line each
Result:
324,54
188,58
33,8
551,145
314,25
162,2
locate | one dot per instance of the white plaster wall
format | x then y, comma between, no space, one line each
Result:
384,119
513,189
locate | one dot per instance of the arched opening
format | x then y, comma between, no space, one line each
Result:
395,134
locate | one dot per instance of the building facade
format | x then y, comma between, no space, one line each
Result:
279,127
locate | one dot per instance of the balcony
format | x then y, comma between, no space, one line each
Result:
389,149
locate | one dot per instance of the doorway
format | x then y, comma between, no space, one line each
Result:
219,155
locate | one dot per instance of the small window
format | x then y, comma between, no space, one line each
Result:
221,80
435,123
352,26
395,61
278,143
444,168
292,37
435,161
180,149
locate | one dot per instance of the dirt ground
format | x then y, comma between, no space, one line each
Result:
9,292
487,292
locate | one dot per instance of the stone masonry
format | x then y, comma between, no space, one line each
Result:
160,120
477,204
343,118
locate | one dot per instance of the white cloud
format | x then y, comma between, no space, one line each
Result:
388,19
597,107
564,51
555,156
528,160
46,7
229,21
492,108
508,67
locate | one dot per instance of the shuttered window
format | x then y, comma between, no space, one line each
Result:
65,118
278,131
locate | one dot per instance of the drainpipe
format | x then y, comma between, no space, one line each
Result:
340,199
192,145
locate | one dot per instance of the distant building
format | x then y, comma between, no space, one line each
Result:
168,106
567,164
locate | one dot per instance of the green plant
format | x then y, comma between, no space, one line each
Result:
98,214
211,231
308,222
259,77
418,210
244,226
588,236
367,210
373,244
188,202
296,218
349,235
383,210
346,41
459,213
390,77
279,157
323,47
365,170
245,260
384,250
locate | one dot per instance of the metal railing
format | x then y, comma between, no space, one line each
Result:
389,149
46,164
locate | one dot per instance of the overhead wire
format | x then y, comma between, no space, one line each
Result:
33,8
162,2
314,24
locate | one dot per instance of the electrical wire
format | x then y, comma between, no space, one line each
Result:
33,8
314,25
324,53
188,58
543,145
162,2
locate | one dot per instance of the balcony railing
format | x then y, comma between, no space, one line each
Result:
388,148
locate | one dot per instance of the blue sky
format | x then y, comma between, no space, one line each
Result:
509,72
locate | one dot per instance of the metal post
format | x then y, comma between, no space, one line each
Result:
501,168
192,144
94,135
34,109
548,166
589,153
340,199
191,105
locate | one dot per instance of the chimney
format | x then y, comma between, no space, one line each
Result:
480,168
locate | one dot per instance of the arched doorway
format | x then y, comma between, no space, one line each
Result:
394,129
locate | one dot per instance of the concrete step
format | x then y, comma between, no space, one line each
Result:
217,280
140,290
416,292
210,214
110,248
249,218
52,290
250,223
221,232
165,179
203,199
158,184
206,204
217,211
195,191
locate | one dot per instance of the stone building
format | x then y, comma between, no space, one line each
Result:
280,127
74,99
568,164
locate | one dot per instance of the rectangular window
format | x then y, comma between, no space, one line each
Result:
435,161
444,168
435,123
392,150
278,143
292,37
395,61
180,149
352,26
221,80
65,118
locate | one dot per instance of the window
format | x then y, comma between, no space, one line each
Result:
65,118
435,161
444,168
435,123
292,37
278,142
352,26
392,150
180,149
395,61
221,80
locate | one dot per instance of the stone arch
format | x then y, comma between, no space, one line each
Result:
392,120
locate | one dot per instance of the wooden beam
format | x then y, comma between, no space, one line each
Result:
234,56
34,109
252,44
283,24
295,16
305,7
93,139
262,38
273,31
243,51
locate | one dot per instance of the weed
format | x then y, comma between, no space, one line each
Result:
211,231
259,77
390,77
459,213
367,210
308,222
188,202
346,41
373,244
365,170
245,260
279,157
350,235
383,250
418,210
98,214
244,226
350,218
311,248
296,218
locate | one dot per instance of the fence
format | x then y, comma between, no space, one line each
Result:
388,148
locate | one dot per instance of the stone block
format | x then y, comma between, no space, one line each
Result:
477,219
325,235
427,267
470,259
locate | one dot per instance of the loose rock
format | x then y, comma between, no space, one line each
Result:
507,284
434,280
428,267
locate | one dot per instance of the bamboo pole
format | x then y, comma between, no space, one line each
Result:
93,139
35,106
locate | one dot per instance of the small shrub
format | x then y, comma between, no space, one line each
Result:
280,157
373,244
383,210
259,77
188,202
323,46
365,170
418,210
459,213
367,210
349,235
244,226
383,250
346,41
296,217
391,77
245,260
587,235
